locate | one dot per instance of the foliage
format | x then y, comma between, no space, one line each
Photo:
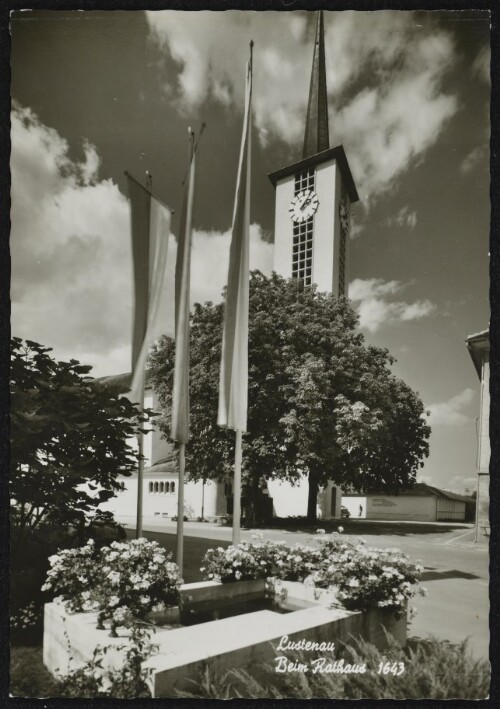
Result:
26,617
368,578
363,577
432,670
321,402
68,439
28,675
94,679
236,563
29,563
122,582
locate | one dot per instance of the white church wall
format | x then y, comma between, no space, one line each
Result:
353,504
326,230
291,500
161,501
283,228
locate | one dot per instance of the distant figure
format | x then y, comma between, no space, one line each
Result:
361,510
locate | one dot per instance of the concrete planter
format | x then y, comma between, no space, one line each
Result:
241,640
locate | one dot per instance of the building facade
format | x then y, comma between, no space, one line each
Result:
479,349
421,503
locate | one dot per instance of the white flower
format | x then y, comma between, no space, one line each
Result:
145,600
114,577
113,601
237,575
340,530
353,583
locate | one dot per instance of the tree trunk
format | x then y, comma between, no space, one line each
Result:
312,499
251,513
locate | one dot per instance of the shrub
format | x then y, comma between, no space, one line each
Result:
127,682
121,582
363,577
236,563
368,578
433,670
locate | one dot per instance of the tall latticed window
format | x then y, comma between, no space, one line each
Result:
344,215
303,234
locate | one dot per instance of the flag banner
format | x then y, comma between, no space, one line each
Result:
140,203
159,233
179,430
233,387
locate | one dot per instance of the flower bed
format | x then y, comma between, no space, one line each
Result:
364,577
122,583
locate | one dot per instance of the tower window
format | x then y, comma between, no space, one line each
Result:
304,181
302,251
343,239
303,233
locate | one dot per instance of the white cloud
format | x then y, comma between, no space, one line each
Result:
461,483
370,297
71,256
451,412
71,273
404,218
477,156
210,261
482,64
384,126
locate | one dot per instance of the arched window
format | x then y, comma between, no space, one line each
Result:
162,487
150,487
156,487
167,487
172,487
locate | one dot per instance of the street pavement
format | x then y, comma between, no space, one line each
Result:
456,569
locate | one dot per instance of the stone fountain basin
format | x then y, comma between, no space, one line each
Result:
237,641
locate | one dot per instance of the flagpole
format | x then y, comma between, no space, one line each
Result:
237,489
140,470
239,433
180,508
182,444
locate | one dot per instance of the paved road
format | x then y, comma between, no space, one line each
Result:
456,570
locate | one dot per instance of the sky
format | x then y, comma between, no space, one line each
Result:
96,93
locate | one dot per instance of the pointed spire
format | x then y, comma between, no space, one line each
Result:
316,138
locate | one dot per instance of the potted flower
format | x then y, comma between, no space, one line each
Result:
123,582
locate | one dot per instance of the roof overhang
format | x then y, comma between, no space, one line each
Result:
337,154
478,345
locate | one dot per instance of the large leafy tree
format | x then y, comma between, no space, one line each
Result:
69,439
321,402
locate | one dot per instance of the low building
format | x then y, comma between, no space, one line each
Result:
420,503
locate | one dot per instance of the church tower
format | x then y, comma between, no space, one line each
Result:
314,197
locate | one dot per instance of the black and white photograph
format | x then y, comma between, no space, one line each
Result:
250,353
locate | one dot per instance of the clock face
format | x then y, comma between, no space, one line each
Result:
303,206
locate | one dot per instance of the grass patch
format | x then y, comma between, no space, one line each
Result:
194,551
28,675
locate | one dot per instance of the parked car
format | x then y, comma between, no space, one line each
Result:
344,512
